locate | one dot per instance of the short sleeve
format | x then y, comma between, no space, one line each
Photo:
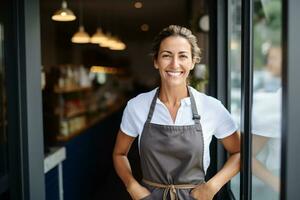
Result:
266,114
225,124
128,123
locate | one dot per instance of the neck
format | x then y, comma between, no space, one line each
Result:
172,95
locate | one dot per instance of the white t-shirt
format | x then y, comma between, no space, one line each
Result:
266,121
215,119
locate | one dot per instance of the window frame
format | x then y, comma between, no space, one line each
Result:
24,101
290,175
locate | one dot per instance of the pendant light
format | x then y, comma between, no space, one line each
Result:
98,37
108,40
80,36
64,14
113,42
118,46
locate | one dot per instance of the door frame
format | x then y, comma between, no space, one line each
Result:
24,99
290,166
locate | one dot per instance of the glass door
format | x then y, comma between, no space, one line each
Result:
234,66
266,99
264,93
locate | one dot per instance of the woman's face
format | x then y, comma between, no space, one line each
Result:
174,60
274,61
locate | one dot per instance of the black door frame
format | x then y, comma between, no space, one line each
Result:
290,164
246,97
23,82
219,86
218,78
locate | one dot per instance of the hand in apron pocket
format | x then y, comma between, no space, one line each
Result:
192,198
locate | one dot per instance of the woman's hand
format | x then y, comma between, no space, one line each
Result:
203,192
137,191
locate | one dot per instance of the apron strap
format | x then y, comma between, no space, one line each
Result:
153,103
196,116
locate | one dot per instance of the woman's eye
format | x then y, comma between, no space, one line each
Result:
183,56
165,56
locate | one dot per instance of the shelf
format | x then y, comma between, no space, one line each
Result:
118,104
75,113
70,89
70,114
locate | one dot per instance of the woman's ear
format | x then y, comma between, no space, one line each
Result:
195,62
155,64
193,65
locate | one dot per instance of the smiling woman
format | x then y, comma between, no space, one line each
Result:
175,124
174,61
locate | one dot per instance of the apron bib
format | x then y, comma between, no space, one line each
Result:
172,157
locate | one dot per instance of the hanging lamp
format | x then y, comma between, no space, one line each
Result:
98,37
113,42
108,40
80,36
118,45
64,14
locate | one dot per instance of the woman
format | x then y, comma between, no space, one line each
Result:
175,124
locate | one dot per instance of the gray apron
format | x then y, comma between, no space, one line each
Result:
172,157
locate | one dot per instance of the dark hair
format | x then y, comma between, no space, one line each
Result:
175,30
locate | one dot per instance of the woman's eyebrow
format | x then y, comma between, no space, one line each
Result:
165,51
180,52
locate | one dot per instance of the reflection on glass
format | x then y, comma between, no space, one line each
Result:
266,108
235,72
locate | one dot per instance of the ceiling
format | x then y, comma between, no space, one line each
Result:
121,17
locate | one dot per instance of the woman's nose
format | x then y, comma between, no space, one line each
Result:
175,62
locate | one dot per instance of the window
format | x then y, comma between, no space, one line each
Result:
234,59
266,106
266,93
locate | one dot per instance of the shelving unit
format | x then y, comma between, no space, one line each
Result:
74,102
70,89
90,123
64,124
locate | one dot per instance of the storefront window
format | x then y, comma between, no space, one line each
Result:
266,107
234,58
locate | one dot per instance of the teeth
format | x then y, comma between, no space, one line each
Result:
174,73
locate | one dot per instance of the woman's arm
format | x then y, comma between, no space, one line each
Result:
258,168
123,169
230,169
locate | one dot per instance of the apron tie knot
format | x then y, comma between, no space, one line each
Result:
173,193
171,189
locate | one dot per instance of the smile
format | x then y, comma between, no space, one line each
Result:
174,73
